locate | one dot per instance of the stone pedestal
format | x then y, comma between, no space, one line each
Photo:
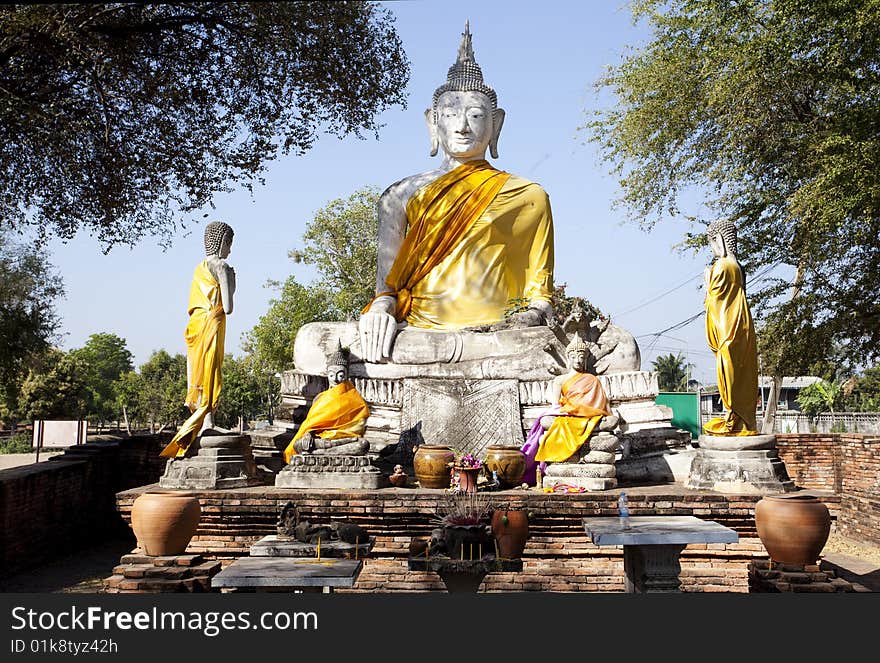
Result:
739,465
275,545
137,573
268,445
591,468
320,471
222,461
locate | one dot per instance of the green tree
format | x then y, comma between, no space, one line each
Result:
57,388
862,392
29,289
106,358
672,372
161,400
124,118
822,396
245,392
769,108
271,339
341,243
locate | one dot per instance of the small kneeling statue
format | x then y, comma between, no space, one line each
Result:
337,418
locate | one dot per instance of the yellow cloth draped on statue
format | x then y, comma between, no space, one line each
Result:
583,403
730,333
205,336
477,238
336,413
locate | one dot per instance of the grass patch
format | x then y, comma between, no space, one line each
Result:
19,443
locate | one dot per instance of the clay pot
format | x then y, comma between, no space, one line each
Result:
431,463
164,521
398,480
510,529
467,478
793,528
508,462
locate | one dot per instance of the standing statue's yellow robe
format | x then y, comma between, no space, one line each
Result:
477,239
336,413
730,333
205,336
583,403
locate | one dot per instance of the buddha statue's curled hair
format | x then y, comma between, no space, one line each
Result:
465,75
727,229
339,357
214,234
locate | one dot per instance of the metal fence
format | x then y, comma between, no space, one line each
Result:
788,421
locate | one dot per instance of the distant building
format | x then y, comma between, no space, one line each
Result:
710,399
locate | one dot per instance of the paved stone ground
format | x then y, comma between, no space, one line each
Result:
17,460
855,562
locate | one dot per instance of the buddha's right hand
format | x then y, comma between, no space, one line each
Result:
376,329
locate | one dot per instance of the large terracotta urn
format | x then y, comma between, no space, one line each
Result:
510,529
164,521
792,527
508,462
432,463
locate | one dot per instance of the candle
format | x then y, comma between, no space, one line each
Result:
472,552
319,548
497,555
480,551
356,539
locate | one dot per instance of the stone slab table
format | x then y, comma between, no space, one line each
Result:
652,546
274,545
287,574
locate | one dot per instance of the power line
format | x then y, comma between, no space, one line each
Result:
660,296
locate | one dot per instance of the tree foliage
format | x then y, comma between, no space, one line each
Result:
246,391
156,393
672,372
822,396
28,321
270,341
769,107
57,388
341,243
106,358
123,118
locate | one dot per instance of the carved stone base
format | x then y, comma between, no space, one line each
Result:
315,471
749,471
591,476
222,461
268,445
652,569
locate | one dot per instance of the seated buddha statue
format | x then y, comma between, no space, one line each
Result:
580,403
337,418
460,247
458,243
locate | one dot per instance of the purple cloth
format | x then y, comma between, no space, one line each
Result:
530,448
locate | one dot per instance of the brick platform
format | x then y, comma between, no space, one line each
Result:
767,576
558,556
141,574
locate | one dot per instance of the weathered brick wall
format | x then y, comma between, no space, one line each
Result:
812,460
558,555
860,487
58,506
845,463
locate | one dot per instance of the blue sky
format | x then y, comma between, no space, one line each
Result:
542,59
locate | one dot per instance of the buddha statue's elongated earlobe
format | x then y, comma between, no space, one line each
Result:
432,131
497,123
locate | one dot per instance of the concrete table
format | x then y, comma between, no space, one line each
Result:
285,574
285,546
652,546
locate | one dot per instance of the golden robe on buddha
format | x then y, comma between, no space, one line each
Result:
730,333
582,404
477,239
337,413
205,336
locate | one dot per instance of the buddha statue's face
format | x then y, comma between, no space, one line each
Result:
465,124
576,359
716,243
225,245
336,374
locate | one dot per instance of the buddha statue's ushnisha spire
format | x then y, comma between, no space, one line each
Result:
465,75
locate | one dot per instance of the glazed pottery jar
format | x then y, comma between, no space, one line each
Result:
467,478
510,529
164,521
792,527
508,462
432,463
